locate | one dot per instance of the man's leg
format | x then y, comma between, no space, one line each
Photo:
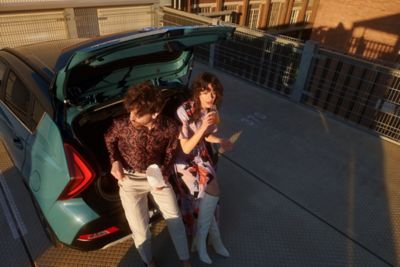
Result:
134,201
166,201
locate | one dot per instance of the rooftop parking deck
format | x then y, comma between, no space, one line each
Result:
300,189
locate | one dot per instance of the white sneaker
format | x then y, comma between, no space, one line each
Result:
155,177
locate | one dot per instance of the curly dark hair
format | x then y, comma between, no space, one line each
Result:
200,84
143,97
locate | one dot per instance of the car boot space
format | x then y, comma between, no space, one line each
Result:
90,127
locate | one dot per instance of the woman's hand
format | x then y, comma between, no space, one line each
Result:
226,145
189,144
208,120
117,171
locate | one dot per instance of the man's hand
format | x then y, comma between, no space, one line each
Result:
116,170
166,181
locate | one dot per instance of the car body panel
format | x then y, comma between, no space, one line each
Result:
68,217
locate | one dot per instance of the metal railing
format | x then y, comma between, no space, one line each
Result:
269,61
354,90
357,91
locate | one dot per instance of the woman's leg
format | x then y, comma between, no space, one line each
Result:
207,207
185,184
207,224
216,241
213,188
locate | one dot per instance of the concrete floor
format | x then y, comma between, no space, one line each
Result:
299,189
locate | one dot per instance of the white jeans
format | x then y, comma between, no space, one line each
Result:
133,195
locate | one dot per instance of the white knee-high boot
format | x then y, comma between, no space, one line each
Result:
216,241
206,215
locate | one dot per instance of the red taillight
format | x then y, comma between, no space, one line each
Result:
80,172
89,237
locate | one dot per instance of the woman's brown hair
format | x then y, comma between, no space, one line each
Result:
200,84
144,97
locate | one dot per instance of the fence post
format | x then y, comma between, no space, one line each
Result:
157,14
69,15
212,55
212,46
310,48
262,58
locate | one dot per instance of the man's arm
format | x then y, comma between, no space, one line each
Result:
170,151
111,141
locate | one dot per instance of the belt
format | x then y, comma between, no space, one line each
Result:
134,175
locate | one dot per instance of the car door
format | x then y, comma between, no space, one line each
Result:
15,107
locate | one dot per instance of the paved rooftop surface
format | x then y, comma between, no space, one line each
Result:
299,189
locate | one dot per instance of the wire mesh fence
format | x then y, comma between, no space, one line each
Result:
263,60
27,27
359,92
20,29
268,61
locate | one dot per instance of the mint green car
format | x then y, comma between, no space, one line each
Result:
56,101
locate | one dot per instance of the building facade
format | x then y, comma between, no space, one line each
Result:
274,16
365,28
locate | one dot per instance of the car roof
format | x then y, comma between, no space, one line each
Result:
46,54
50,56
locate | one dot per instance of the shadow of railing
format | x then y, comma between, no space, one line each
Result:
363,39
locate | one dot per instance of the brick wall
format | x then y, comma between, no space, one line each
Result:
366,28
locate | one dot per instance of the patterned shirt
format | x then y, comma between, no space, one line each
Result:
137,148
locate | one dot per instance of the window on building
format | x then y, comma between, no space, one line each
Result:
206,9
253,16
202,8
307,17
310,3
274,14
230,18
230,7
294,16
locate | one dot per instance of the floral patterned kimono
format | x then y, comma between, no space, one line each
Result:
195,170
